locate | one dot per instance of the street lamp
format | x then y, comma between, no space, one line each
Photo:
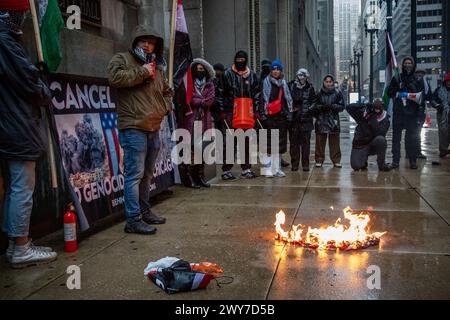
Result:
358,53
389,13
354,65
370,26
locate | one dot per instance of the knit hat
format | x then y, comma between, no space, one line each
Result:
276,64
303,72
219,66
447,77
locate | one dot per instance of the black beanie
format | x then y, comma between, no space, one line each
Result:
219,66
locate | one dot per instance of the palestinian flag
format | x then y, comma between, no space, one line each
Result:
391,71
182,78
50,24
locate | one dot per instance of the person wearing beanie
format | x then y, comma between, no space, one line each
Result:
276,113
265,70
441,102
303,95
22,92
326,109
406,112
239,81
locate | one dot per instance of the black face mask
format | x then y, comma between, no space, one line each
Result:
241,66
199,74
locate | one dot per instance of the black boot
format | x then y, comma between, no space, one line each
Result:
192,178
139,227
200,176
150,218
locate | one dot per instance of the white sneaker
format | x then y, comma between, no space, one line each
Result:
28,255
338,165
280,174
12,244
319,165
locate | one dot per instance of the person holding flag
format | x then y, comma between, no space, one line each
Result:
22,144
144,98
406,111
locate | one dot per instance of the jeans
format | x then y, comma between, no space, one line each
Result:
411,125
19,198
140,149
376,147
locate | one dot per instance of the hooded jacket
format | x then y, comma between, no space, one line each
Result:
202,100
407,83
142,102
370,125
326,110
22,92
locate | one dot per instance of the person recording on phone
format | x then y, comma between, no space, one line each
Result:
144,98
370,134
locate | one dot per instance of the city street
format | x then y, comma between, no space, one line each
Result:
231,224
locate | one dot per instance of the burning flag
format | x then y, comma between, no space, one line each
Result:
353,236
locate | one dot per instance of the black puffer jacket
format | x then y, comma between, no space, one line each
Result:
326,110
369,127
22,92
235,86
303,99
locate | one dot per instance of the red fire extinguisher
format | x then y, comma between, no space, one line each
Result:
70,229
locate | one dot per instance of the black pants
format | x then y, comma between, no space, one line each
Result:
411,125
444,136
300,144
360,156
228,166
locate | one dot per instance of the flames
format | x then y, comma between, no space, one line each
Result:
352,236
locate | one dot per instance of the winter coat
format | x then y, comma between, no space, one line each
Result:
201,102
142,102
303,98
441,102
234,86
22,92
407,83
369,127
215,110
326,110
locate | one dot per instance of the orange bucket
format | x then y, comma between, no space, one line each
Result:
243,117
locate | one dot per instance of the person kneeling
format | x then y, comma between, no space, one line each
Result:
370,134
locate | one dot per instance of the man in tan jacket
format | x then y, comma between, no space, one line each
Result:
144,98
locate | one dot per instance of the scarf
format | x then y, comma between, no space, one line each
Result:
267,89
199,85
244,74
299,84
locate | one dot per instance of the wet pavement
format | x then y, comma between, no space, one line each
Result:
232,224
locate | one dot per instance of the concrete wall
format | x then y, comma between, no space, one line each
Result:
225,29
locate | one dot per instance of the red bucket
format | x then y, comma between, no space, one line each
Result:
243,117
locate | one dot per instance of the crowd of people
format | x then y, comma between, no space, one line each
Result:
294,108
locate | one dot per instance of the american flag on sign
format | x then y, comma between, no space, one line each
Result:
110,132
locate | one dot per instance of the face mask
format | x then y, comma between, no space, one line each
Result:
302,79
241,66
409,69
200,74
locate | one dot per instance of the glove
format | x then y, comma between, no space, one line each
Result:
257,116
223,115
326,108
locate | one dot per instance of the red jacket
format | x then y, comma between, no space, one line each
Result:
14,5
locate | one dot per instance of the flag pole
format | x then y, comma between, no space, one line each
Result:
172,41
40,54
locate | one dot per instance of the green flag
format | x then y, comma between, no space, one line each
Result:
51,23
